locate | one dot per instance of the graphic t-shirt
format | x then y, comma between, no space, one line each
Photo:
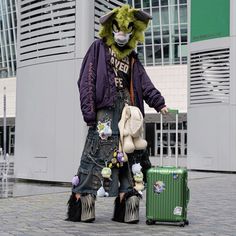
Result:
122,71
108,118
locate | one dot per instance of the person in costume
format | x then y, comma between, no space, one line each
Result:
113,85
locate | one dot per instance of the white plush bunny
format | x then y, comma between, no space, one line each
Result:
131,129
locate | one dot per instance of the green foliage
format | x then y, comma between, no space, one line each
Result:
123,15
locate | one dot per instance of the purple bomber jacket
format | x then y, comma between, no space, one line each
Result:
97,86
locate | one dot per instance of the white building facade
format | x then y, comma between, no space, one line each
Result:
212,86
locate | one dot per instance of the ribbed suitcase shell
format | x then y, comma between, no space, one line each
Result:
167,195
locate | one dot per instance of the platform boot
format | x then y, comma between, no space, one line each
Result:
127,210
74,209
119,210
88,208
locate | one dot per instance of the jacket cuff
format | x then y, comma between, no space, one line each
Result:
91,124
159,108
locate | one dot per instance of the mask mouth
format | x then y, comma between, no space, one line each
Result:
121,38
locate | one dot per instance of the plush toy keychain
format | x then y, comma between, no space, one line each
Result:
101,191
138,177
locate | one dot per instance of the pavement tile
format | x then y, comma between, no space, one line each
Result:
211,211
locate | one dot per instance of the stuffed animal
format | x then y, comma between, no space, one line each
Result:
131,129
102,193
138,177
104,129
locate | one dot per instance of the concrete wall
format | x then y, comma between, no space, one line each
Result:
172,83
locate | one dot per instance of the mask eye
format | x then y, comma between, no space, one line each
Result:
115,26
130,27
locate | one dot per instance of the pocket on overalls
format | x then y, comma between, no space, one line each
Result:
90,179
107,148
90,148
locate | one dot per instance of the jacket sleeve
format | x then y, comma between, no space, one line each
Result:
151,95
87,86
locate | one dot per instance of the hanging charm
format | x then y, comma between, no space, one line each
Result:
106,172
75,181
138,177
104,129
101,191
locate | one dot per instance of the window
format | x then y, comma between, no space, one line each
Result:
168,29
7,39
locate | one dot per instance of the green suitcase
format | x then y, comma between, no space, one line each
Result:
167,192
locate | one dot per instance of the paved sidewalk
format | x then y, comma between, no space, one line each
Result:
40,210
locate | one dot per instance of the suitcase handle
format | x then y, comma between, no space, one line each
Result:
176,112
173,111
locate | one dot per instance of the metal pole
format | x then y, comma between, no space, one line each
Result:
4,125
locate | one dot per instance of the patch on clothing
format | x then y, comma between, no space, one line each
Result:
121,69
104,129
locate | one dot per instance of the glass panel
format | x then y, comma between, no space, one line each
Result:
185,139
155,16
157,36
173,151
148,36
172,126
184,53
146,3
185,125
165,126
157,49
155,3
164,2
165,139
147,10
172,139
173,14
140,53
164,16
165,34
183,29
183,13
7,50
149,55
176,34
137,4
166,53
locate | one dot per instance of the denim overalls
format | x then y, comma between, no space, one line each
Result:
98,152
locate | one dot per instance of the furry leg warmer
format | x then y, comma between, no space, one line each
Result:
74,209
127,210
82,209
119,210
88,208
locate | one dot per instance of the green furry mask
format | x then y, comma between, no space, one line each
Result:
130,21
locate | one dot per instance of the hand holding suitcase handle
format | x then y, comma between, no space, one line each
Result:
164,110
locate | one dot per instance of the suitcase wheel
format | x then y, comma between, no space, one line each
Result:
186,222
150,222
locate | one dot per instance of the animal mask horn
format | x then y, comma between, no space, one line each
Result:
142,16
105,18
